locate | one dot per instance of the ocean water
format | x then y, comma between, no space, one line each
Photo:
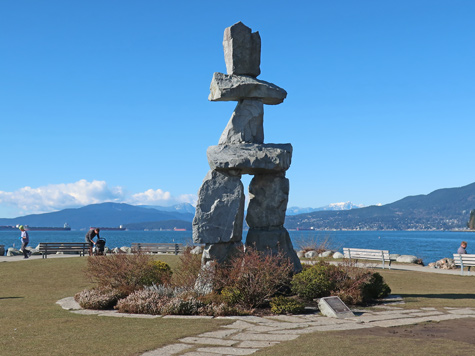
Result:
428,245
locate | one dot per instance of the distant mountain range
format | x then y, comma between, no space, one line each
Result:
335,206
442,209
103,215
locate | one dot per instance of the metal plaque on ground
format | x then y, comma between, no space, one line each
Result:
335,308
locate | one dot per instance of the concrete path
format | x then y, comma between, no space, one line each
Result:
248,334
395,267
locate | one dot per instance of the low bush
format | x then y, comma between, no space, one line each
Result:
286,305
352,284
313,282
98,298
127,273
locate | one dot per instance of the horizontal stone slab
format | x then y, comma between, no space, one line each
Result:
238,87
250,158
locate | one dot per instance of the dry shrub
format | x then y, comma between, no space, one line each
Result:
161,300
188,269
313,243
98,298
127,273
252,277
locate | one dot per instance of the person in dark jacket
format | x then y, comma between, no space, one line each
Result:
90,236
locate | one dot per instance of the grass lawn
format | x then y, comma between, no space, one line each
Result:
32,324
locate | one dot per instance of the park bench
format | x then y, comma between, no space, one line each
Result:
157,247
367,254
464,260
46,248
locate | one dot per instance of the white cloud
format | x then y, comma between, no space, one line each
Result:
55,197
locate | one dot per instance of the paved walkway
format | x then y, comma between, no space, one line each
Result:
248,334
405,267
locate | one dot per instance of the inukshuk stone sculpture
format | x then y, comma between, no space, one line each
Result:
218,222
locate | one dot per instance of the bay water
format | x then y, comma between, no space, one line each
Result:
428,245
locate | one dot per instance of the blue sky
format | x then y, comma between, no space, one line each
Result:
107,100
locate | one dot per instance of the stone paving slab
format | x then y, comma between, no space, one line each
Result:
257,344
168,350
227,350
263,337
219,333
208,341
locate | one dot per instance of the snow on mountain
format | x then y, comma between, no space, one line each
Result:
334,206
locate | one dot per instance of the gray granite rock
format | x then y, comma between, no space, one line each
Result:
13,252
246,124
325,254
219,212
242,50
250,158
268,197
197,250
273,241
225,87
406,259
338,255
220,252
311,254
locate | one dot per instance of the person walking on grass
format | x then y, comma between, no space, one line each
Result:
463,248
90,236
25,239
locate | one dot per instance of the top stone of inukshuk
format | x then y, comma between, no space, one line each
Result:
219,216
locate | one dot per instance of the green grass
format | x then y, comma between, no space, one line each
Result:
422,289
32,323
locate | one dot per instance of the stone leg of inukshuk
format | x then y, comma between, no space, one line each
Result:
241,150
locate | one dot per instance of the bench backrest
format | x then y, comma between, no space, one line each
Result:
366,254
464,259
157,247
62,246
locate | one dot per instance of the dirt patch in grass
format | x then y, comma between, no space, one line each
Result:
460,330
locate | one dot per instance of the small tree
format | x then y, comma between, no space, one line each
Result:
471,222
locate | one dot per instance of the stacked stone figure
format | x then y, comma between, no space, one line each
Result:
218,222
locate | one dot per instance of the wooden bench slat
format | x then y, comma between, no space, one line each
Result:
52,247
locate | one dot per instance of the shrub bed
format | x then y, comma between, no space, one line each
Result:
249,283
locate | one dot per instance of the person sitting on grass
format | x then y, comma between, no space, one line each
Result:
90,236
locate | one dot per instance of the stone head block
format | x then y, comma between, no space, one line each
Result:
242,50
249,158
219,212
